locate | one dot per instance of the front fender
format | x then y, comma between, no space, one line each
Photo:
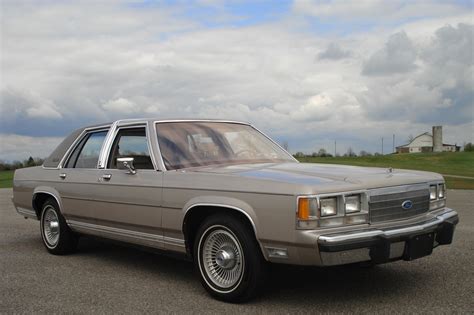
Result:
225,202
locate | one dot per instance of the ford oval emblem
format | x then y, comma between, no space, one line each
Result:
407,204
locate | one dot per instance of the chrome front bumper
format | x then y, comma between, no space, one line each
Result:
388,244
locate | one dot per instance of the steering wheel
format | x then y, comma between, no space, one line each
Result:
240,152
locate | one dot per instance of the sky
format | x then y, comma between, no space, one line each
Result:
307,73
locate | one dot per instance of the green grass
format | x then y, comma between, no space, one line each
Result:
459,163
6,179
447,163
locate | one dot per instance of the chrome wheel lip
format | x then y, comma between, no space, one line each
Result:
50,227
225,278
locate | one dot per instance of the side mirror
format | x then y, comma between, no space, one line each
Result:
127,163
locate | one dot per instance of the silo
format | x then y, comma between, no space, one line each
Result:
437,138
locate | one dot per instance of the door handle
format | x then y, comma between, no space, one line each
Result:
107,176
62,175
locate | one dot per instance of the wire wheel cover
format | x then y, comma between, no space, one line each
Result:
51,226
222,258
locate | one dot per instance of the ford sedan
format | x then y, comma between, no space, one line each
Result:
228,197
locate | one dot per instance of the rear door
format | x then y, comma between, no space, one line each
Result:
78,177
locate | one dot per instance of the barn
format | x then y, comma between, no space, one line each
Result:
427,142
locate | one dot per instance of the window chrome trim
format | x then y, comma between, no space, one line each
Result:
130,125
106,146
161,161
274,142
79,138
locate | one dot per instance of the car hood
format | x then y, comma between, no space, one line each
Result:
313,174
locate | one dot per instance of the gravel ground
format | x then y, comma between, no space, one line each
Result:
108,278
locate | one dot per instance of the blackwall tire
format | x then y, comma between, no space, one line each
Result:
56,235
228,259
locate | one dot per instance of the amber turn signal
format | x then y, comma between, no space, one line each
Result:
303,208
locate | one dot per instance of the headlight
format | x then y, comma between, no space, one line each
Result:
441,191
331,210
433,192
353,204
437,196
328,206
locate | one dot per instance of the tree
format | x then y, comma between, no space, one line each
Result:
299,154
350,153
364,153
30,162
469,147
285,145
410,138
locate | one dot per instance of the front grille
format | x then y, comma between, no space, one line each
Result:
388,206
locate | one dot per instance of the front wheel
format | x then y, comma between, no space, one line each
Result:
57,236
228,259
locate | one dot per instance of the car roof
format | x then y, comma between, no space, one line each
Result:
161,120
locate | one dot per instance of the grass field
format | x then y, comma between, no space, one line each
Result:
446,163
458,164
6,179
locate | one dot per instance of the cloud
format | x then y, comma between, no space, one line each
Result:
318,107
16,147
27,103
335,52
64,67
380,10
398,56
121,105
439,91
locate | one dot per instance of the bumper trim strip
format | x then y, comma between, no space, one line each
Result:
355,236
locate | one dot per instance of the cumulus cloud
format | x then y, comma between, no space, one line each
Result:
64,68
121,105
440,91
27,103
398,56
318,107
334,51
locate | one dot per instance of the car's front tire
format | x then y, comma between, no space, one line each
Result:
56,235
228,259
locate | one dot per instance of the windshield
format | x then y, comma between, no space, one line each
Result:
191,144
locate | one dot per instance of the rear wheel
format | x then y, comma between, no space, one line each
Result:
228,259
56,234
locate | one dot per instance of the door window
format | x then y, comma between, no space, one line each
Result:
86,154
131,142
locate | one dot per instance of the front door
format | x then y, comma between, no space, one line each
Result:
130,202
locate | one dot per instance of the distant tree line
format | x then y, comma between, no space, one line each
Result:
31,161
323,153
469,147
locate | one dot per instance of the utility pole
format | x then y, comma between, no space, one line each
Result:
382,145
335,148
393,144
